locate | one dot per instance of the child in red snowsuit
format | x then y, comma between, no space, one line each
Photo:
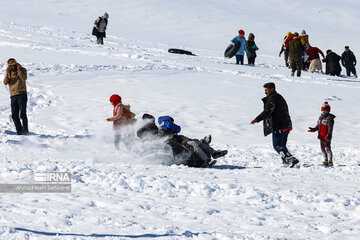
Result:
324,128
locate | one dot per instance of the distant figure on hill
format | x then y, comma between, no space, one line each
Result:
16,77
277,121
348,60
332,61
296,54
252,48
314,57
99,29
122,116
284,47
240,54
324,128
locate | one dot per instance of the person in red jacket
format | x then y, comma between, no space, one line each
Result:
324,128
314,57
122,116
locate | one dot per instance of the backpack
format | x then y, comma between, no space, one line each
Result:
129,115
167,125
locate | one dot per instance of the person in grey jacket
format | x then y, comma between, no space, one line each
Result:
99,29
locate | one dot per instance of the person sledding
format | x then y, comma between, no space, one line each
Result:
202,152
122,117
324,128
197,153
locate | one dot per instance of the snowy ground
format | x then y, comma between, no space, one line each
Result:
137,192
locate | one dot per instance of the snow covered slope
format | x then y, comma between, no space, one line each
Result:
137,192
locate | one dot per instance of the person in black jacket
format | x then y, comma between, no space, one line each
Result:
99,29
277,121
252,48
332,63
348,60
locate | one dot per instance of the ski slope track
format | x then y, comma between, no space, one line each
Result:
139,191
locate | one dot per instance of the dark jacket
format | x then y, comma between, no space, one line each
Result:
251,46
348,59
97,22
275,115
332,61
149,129
295,48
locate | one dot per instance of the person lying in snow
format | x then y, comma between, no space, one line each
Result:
198,152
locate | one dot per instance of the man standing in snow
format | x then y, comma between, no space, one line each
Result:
332,63
240,54
276,121
16,77
99,29
295,54
348,60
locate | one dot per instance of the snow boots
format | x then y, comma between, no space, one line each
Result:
219,154
288,159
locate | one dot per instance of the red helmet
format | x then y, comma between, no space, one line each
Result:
241,32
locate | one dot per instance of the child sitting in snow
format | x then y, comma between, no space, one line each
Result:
122,116
324,127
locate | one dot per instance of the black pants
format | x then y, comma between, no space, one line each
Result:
100,40
239,59
286,57
350,69
18,111
251,61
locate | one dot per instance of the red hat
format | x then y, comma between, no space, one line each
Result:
241,32
325,107
115,99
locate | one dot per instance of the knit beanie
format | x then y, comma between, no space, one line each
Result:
116,99
241,32
325,107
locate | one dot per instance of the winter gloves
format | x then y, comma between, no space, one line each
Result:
311,129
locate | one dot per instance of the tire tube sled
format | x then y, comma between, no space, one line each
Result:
232,49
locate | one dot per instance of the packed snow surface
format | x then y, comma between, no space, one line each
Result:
137,191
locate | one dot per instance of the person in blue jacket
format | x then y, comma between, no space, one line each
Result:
240,54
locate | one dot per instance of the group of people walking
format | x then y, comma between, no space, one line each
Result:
300,55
